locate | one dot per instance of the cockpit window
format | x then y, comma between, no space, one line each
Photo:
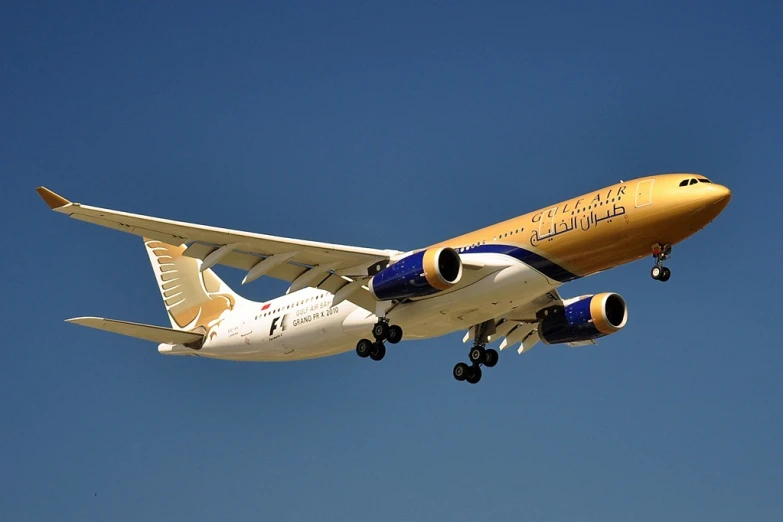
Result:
693,181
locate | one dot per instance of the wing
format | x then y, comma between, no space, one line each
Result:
303,263
521,324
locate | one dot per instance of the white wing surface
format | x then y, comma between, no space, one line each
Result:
301,262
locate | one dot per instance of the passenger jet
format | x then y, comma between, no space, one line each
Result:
497,283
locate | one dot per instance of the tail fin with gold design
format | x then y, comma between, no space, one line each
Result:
195,299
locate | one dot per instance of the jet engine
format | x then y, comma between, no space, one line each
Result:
418,275
583,319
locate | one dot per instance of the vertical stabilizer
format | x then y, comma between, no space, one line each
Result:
193,298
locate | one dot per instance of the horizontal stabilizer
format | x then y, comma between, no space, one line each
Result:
147,332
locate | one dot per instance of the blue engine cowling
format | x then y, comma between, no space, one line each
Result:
418,275
587,318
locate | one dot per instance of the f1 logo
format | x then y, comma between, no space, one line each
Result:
274,326
277,321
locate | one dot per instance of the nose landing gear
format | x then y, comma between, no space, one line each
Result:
661,253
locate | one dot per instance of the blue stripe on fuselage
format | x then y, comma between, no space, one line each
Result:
540,263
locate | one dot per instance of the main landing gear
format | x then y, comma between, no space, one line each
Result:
382,331
479,355
661,253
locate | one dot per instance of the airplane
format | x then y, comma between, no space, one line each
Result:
498,282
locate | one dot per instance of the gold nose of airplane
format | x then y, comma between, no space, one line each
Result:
719,196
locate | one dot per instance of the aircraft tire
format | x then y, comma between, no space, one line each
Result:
380,331
395,334
477,355
378,351
461,371
491,358
474,375
364,348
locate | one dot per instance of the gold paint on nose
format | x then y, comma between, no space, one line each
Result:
720,196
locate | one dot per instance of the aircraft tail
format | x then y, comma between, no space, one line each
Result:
193,298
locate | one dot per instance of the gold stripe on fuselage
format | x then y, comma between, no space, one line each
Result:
606,228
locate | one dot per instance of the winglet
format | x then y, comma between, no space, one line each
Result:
54,201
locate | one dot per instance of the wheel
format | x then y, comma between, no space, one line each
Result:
378,351
461,371
363,348
395,334
491,358
665,274
477,354
380,331
656,272
474,375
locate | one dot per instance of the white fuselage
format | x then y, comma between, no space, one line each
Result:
305,324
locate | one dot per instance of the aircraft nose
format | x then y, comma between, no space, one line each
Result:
720,196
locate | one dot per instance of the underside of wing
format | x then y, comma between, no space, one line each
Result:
521,324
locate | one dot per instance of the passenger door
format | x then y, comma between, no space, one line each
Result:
644,192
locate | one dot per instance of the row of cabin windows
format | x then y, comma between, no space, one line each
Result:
590,207
509,233
474,245
693,181
577,211
288,307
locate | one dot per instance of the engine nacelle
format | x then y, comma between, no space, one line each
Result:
418,275
585,319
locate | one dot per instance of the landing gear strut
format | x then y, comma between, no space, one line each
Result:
479,355
661,253
382,331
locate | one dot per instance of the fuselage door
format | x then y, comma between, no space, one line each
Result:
644,193
546,227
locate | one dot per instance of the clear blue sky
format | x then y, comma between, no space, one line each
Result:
390,126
